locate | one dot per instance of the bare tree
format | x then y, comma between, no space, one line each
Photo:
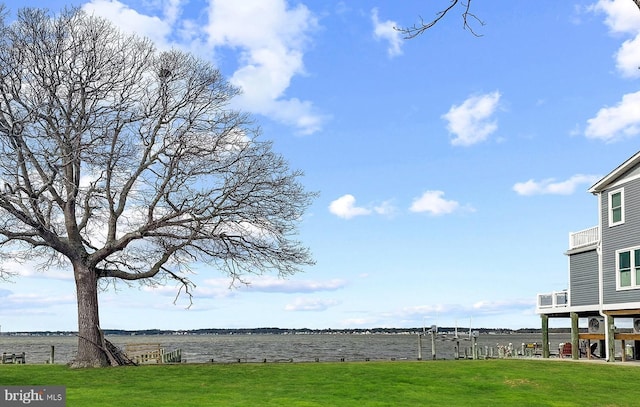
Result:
467,16
127,164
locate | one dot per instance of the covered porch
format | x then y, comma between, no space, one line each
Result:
601,338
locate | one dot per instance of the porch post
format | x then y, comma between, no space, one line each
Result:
545,335
575,336
611,339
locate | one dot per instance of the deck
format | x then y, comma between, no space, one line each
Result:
584,238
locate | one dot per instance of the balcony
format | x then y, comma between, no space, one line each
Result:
584,238
556,299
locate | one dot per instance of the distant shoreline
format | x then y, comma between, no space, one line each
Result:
445,331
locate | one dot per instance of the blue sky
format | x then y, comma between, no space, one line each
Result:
451,168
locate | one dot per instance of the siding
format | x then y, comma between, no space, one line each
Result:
620,237
583,278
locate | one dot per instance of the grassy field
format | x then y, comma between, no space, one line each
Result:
433,383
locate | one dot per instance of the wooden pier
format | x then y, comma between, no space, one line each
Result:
149,353
10,358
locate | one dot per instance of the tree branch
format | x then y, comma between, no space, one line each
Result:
418,29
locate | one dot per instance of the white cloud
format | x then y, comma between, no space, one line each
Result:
225,287
172,9
33,303
361,322
385,30
33,269
276,285
426,310
620,121
478,309
385,208
628,58
131,21
421,315
163,23
471,122
498,307
345,207
309,304
552,187
622,17
434,203
271,38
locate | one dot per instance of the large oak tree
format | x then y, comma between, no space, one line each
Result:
125,163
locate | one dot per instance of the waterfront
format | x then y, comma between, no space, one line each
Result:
279,348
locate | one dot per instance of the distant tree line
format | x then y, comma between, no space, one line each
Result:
298,331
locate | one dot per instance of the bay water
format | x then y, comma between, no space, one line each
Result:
283,348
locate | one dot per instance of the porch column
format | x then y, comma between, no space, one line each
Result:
575,336
545,335
611,339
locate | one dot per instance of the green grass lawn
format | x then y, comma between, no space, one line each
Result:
433,383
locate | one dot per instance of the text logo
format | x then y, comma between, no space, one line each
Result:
40,396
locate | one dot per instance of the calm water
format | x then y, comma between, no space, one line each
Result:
276,348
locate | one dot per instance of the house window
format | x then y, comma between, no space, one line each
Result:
636,268
628,268
624,268
616,207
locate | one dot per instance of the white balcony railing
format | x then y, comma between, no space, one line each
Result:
555,299
584,238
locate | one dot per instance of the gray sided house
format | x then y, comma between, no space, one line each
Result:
604,270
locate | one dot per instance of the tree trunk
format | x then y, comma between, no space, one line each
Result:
91,351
